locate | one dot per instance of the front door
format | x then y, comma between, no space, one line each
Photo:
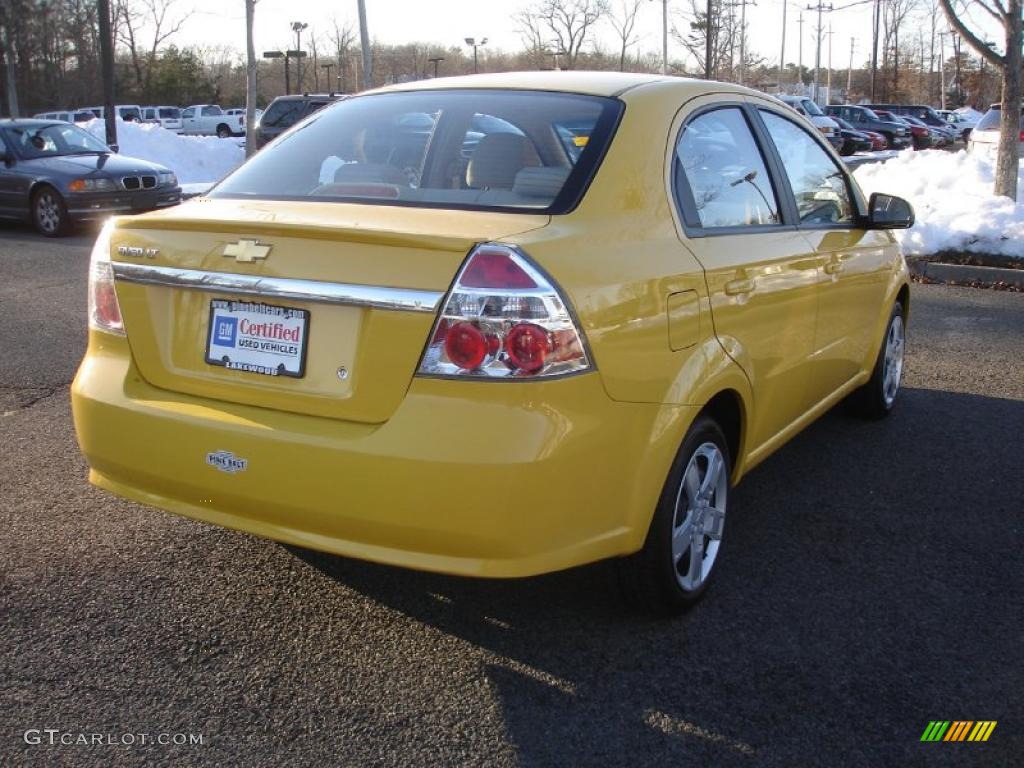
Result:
855,263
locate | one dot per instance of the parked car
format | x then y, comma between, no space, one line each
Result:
210,120
130,113
940,137
985,136
853,140
922,112
55,173
168,118
809,109
241,111
507,365
920,135
863,119
285,111
961,123
80,116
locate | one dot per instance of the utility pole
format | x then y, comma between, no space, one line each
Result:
876,13
709,43
942,64
828,77
800,62
782,53
743,38
849,74
364,41
820,8
107,68
665,37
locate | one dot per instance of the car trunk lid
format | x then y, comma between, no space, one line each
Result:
368,279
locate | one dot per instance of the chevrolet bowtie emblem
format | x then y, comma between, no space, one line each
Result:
247,250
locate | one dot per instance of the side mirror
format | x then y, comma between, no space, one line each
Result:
889,212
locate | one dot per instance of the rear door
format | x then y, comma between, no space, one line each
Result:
855,263
762,282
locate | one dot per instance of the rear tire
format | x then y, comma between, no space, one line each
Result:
875,400
672,571
49,213
223,132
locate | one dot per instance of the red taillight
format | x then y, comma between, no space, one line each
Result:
503,318
918,130
494,268
104,311
1021,137
466,346
528,346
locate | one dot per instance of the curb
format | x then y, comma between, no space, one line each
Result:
966,273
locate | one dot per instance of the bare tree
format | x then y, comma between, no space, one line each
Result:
132,19
568,22
692,33
1008,14
623,19
342,39
894,16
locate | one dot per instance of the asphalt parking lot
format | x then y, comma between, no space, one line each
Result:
872,582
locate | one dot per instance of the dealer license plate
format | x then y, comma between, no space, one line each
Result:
257,338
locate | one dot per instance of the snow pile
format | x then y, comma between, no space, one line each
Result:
193,158
953,202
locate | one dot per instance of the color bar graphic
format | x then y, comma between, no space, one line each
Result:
958,730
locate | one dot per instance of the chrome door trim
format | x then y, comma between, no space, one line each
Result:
373,296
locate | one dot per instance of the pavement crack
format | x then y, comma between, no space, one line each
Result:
14,399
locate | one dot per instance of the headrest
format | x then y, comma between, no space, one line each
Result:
497,159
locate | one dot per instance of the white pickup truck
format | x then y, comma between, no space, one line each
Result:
210,120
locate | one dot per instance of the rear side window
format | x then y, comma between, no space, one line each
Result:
818,184
490,149
170,113
722,172
990,120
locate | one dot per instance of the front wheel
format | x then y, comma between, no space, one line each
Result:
49,213
673,569
877,398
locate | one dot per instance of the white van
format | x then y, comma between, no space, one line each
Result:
167,117
78,116
130,113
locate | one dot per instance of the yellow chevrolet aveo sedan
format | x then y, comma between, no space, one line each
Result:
495,326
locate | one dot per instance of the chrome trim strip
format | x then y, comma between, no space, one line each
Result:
376,297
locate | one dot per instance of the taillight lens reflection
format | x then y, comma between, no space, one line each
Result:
104,311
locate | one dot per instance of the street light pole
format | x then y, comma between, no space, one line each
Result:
471,41
435,61
364,42
328,66
297,27
664,37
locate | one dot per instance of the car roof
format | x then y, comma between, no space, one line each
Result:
301,96
29,122
570,81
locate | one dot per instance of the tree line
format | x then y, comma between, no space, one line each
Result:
54,48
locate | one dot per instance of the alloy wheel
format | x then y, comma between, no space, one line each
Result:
892,369
699,517
48,213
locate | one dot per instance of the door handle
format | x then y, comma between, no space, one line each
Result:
739,287
834,267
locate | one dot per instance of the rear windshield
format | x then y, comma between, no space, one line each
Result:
477,149
283,114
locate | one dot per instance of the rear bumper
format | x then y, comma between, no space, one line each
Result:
477,479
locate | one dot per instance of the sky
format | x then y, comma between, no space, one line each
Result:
448,22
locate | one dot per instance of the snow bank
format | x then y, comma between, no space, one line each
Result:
193,158
953,202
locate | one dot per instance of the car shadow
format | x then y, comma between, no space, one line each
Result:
868,587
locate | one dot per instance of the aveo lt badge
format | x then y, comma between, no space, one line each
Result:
247,251
226,461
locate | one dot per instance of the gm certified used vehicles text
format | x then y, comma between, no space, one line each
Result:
54,173
566,346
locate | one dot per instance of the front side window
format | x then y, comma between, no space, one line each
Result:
818,184
440,148
724,172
